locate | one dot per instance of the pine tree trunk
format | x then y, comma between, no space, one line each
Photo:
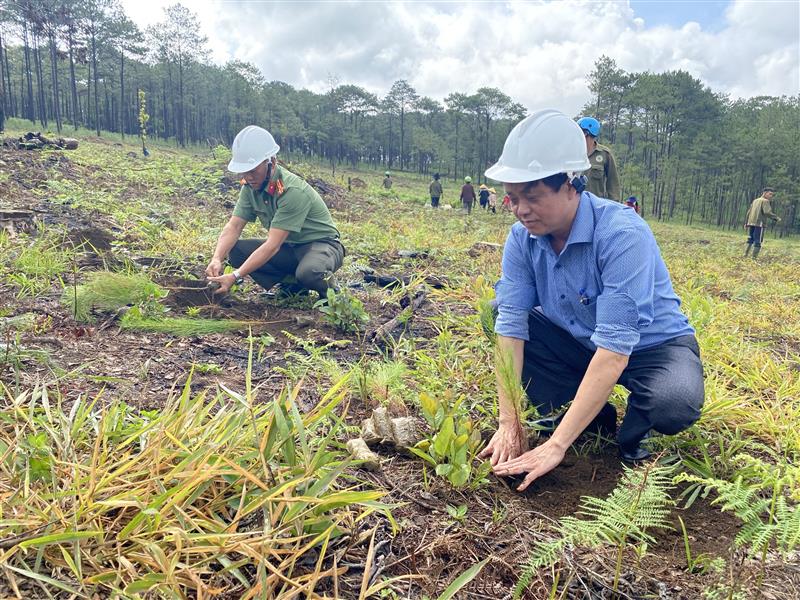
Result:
12,104
455,158
402,134
40,82
3,94
54,76
122,93
94,75
181,115
77,116
28,108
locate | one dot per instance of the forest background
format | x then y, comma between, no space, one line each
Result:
689,153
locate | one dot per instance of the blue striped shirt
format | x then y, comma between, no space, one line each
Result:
609,287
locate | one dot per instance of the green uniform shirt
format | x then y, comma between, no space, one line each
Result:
602,176
759,209
436,188
298,210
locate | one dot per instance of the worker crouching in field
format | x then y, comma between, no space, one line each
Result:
760,210
302,248
585,302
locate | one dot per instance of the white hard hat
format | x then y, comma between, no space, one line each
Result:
545,143
251,146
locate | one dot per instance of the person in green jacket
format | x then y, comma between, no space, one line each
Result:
435,189
603,180
302,248
760,209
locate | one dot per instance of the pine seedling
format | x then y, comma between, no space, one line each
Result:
135,319
143,119
511,387
487,313
109,291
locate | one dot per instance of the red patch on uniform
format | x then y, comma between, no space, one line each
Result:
275,188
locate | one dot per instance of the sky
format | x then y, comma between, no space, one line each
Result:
539,53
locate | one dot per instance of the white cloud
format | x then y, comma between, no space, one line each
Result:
538,53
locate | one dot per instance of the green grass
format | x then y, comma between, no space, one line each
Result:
34,263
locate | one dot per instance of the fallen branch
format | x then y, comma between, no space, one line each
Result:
435,281
399,321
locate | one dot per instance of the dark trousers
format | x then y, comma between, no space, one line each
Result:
435,201
665,382
312,264
467,204
755,235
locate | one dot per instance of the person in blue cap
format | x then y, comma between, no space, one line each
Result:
603,179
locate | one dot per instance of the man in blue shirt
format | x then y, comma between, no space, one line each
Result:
585,302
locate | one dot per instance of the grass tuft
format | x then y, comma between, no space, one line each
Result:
228,493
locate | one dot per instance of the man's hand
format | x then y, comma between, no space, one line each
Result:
225,282
537,462
507,443
214,268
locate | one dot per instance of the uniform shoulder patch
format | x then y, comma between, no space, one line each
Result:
599,158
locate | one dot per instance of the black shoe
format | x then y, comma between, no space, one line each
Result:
636,453
604,424
547,426
281,291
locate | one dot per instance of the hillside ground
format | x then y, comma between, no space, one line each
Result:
103,207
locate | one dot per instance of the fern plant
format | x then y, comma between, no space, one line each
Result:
761,504
640,502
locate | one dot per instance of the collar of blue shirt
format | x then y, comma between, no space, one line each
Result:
582,231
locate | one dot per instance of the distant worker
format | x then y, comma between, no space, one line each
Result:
435,189
602,176
483,196
467,194
755,224
633,202
507,203
493,200
387,180
302,247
